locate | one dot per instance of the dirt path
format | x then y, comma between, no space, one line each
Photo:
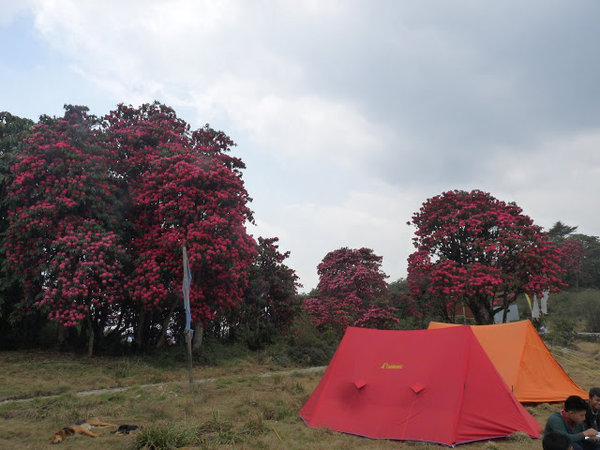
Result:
199,381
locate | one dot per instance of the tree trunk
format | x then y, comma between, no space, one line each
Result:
139,334
198,335
165,326
60,335
91,336
481,311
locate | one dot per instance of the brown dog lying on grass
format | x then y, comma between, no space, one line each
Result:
83,427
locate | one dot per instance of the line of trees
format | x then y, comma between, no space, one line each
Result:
94,212
94,215
472,252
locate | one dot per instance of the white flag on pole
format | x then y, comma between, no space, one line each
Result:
535,309
545,302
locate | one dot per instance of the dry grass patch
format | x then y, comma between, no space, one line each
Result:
239,411
34,374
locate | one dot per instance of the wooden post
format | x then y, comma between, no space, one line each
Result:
189,347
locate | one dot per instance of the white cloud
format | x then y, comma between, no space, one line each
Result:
374,217
297,127
326,97
556,180
10,10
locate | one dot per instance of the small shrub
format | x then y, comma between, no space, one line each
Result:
122,369
311,355
164,437
255,427
222,432
279,411
561,332
168,357
217,353
304,345
215,424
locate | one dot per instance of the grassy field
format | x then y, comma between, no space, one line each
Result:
240,409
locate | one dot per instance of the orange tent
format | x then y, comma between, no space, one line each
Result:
524,361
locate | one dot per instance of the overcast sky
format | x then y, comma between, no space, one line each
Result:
348,114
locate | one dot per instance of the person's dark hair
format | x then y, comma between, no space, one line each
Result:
575,403
595,392
555,441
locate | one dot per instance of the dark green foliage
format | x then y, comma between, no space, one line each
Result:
592,319
306,346
581,307
561,332
215,352
581,256
560,231
313,355
13,130
590,276
270,300
574,305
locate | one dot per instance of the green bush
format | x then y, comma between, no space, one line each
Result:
592,317
258,337
561,331
216,353
307,346
311,356
573,304
47,335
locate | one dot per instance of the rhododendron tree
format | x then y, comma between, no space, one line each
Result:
352,291
98,212
572,253
183,187
475,250
580,256
59,234
84,281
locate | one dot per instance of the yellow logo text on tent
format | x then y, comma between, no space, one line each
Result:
391,366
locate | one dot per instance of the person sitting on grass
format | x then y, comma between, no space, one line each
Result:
592,419
556,441
570,421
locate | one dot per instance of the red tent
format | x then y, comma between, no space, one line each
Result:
423,385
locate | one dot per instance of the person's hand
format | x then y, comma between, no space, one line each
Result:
590,432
